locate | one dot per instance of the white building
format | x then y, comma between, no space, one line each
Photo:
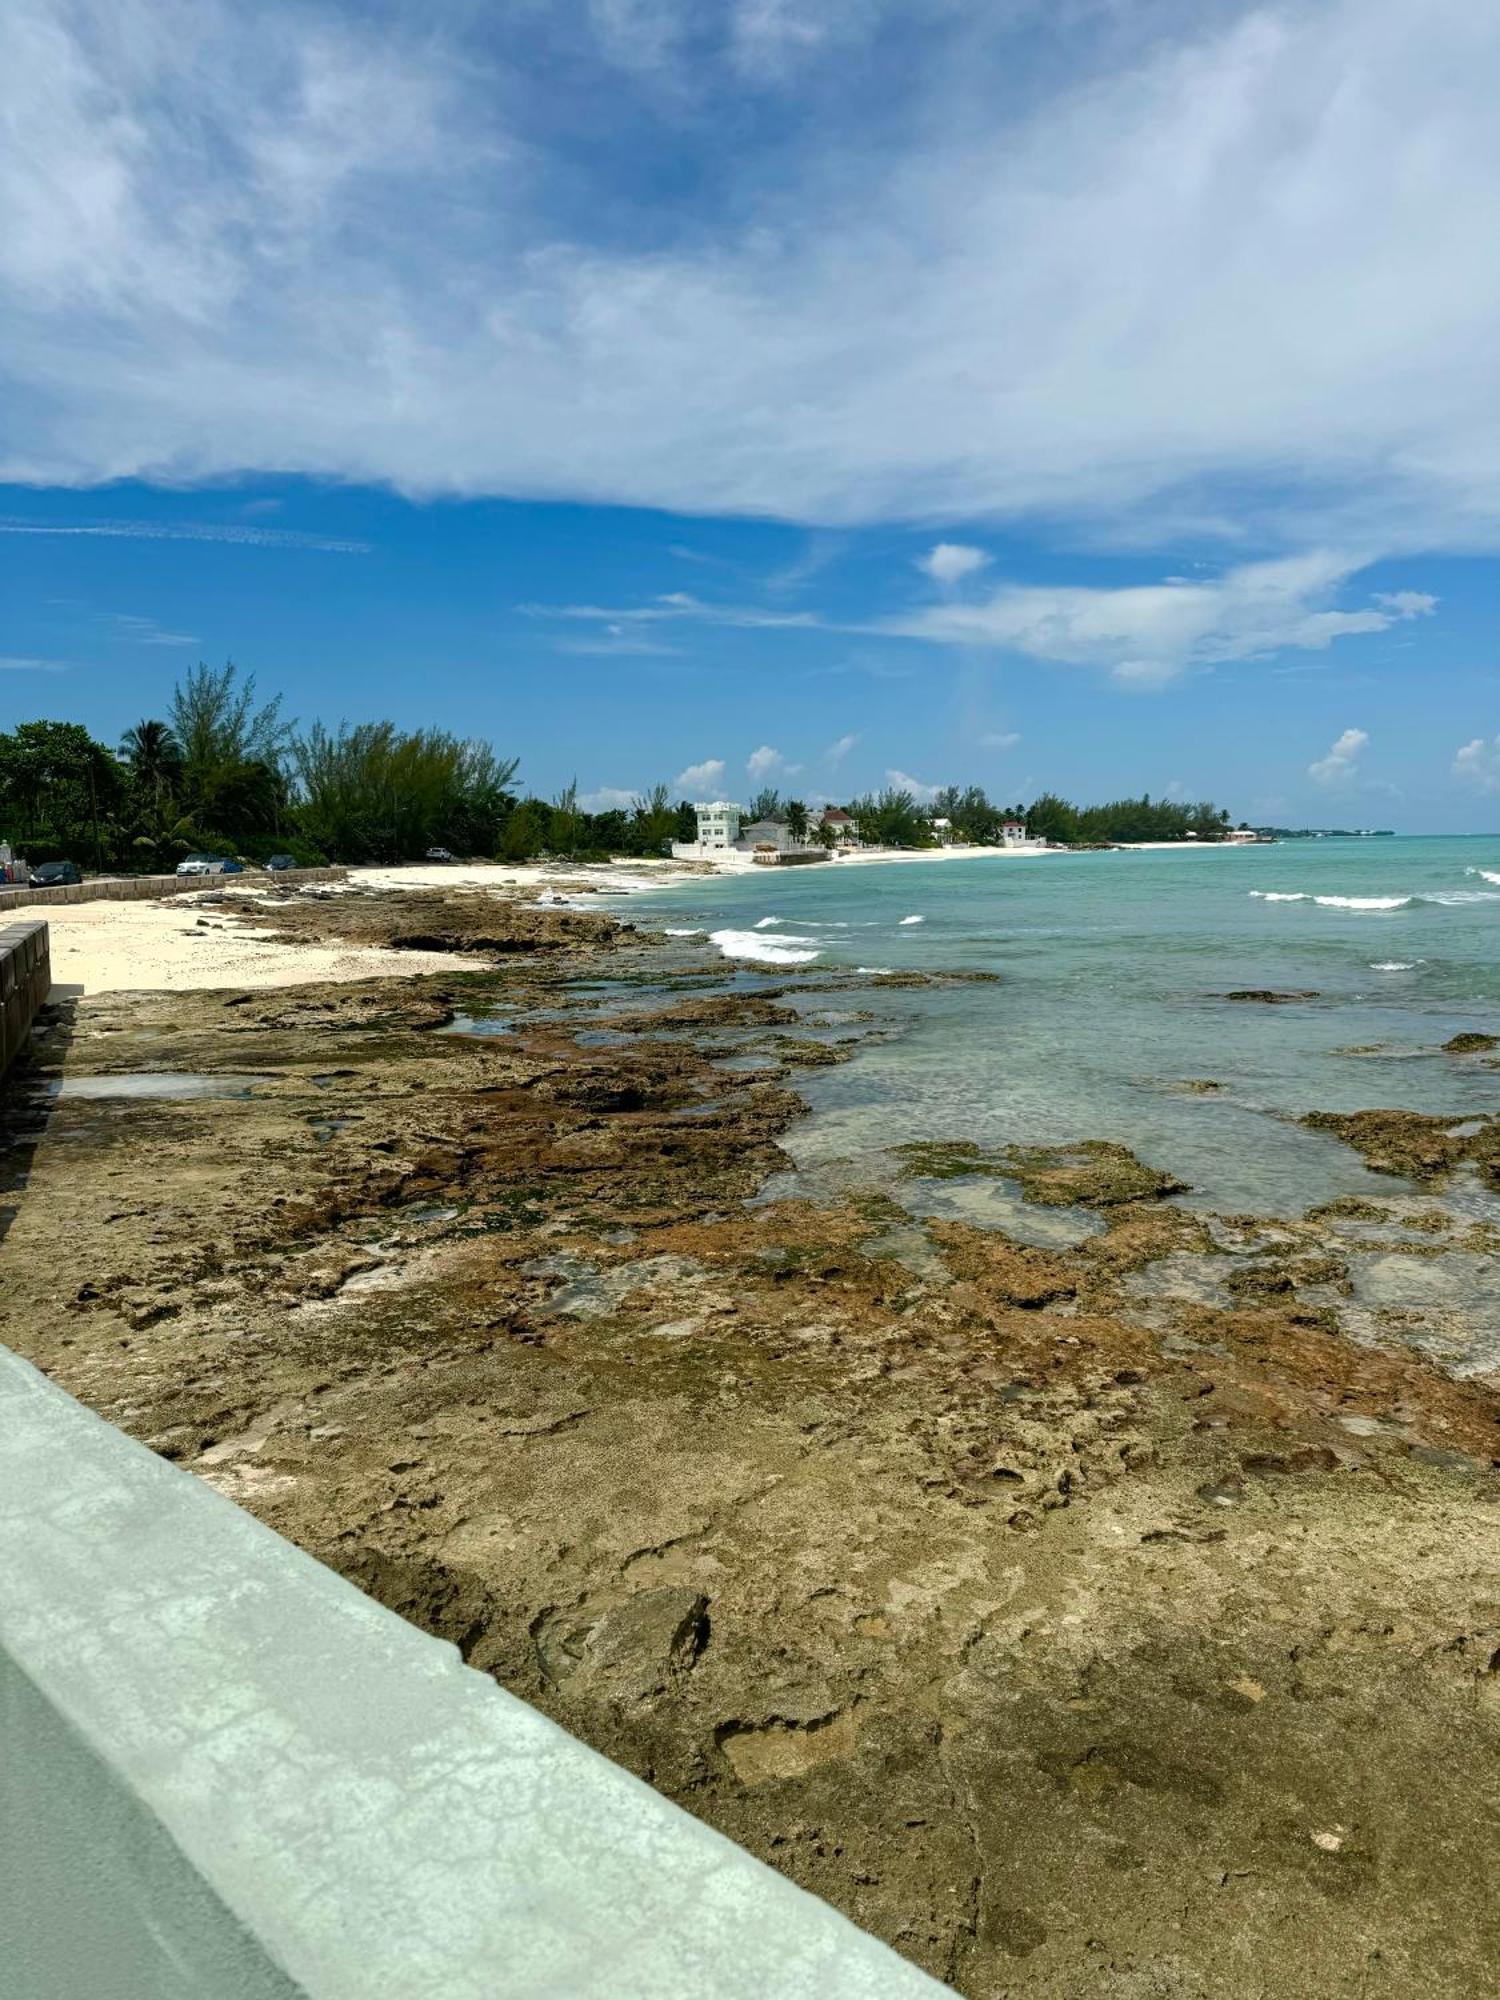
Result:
1013,834
718,832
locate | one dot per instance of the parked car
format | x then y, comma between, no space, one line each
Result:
230,867
201,864
278,862
438,854
55,874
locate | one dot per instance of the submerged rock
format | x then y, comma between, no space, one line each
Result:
1266,996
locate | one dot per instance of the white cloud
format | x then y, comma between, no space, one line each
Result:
146,632
903,781
1147,633
704,778
765,763
16,663
188,531
839,750
1339,767
950,562
1478,764
999,739
608,798
1226,269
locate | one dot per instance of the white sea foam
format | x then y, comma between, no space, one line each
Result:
767,923
881,970
1279,895
1396,964
1365,902
672,933
912,920
1485,874
764,950
1457,898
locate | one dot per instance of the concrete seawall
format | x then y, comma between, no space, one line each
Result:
229,1775
25,981
146,888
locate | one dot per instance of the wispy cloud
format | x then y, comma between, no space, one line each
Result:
839,749
1145,634
189,531
1340,766
1223,267
17,663
676,606
999,739
141,631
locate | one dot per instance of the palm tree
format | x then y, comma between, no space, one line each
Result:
154,755
796,819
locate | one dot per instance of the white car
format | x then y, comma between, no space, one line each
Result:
201,864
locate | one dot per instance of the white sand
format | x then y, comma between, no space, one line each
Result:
183,945
160,947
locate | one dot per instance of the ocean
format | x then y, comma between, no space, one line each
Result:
1111,970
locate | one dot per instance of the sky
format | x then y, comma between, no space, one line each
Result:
1099,395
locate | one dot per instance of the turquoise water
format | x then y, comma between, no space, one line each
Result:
1109,967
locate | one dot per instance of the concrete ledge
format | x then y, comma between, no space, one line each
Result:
228,1775
25,981
141,888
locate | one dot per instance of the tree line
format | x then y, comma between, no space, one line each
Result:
226,772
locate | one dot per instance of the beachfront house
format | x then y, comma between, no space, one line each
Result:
843,826
942,831
718,833
1013,834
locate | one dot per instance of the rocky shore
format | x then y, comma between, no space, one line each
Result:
1116,1618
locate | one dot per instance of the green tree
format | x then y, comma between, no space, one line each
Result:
154,756
61,788
796,819
766,805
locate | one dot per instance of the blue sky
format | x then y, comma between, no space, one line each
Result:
1089,395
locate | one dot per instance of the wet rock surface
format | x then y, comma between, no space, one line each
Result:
1119,1616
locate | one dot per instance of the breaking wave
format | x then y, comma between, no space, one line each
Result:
1442,898
912,920
767,923
1366,902
1396,964
764,950
672,933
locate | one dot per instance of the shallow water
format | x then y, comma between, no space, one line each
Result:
1112,968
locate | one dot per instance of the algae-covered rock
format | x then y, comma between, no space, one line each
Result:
1470,1044
1093,1173
1415,1143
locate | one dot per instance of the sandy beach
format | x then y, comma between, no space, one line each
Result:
183,945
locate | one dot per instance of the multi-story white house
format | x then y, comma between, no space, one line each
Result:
718,832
